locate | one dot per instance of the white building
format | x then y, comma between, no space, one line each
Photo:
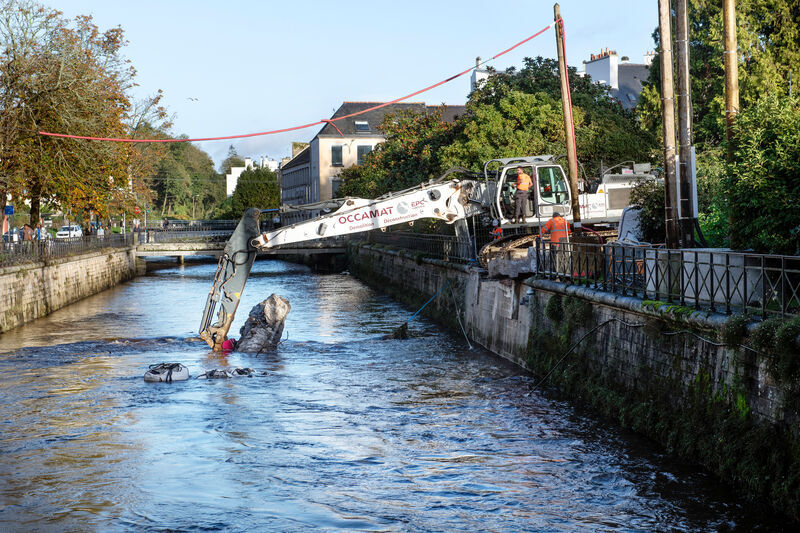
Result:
623,77
232,177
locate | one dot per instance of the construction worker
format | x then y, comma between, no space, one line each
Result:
559,231
497,231
524,183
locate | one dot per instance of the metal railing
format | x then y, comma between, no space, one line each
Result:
716,280
711,279
444,247
16,253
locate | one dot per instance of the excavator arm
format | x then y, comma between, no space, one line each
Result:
449,201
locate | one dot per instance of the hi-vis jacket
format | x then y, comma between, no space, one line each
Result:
558,228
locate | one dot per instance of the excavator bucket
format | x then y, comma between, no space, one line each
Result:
229,280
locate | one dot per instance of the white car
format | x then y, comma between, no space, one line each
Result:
65,232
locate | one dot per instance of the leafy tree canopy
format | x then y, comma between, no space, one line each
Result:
514,113
257,187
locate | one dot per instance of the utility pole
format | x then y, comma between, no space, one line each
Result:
686,215
569,124
731,62
668,119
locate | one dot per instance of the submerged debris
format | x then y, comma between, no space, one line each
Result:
264,326
398,333
166,373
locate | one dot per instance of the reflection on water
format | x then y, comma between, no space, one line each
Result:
341,431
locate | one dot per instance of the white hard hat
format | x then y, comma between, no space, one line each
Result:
495,222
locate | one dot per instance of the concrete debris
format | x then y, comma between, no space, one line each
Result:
225,374
398,333
264,326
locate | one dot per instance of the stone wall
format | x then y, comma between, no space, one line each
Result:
34,290
655,368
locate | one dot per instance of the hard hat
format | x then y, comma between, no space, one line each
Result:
228,345
495,222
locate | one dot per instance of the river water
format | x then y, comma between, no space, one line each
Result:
342,430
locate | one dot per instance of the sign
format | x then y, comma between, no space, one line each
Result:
137,210
9,210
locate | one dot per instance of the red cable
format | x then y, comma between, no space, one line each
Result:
329,121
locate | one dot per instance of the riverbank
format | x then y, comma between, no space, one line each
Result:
33,290
657,369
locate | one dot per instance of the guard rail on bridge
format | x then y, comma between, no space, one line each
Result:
16,253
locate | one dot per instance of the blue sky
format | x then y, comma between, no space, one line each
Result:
260,65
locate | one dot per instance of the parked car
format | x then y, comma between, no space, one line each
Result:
65,232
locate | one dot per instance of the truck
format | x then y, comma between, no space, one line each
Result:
452,198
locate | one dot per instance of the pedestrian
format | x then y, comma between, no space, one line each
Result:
497,231
100,231
559,231
27,232
39,234
165,224
524,183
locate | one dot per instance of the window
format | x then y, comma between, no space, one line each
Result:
552,185
361,152
362,126
336,156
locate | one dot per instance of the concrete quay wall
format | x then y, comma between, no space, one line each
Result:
654,368
33,290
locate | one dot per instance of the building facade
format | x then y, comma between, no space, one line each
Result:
312,175
622,77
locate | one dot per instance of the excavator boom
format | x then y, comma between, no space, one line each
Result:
449,201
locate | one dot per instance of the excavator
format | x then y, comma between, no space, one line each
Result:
452,198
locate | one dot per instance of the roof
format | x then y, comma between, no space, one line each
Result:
302,158
629,78
375,117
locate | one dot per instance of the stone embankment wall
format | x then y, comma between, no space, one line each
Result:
34,290
658,369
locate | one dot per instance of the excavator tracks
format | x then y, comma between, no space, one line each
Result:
504,248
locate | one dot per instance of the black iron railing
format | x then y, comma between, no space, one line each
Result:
445,247
16,253
712,279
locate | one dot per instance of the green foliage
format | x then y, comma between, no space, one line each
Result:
762,338
648,195
185,183
233,160
786,359
410,155
734,330
763,183
554,310
514,113
257,187
768,33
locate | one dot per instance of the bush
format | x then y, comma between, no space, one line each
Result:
648,195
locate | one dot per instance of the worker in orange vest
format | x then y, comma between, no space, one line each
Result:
559,230
497,231
524,183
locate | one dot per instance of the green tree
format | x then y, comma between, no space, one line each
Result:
62,76
412,153
768,34
233,160
763,179
257,187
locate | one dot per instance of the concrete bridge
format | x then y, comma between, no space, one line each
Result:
181,249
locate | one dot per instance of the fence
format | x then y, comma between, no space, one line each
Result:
717,280
15,253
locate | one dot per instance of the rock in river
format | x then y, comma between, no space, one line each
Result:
264,326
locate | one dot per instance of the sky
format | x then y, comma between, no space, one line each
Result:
245,66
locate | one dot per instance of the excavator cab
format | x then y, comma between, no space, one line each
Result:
550,189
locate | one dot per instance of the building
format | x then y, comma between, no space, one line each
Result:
232,177
623,77
312,173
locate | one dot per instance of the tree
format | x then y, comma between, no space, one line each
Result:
763,179
768,34
233,160
64,77
412,153
257,187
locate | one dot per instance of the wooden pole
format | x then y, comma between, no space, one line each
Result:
569,124
668,119
731,69
687,216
